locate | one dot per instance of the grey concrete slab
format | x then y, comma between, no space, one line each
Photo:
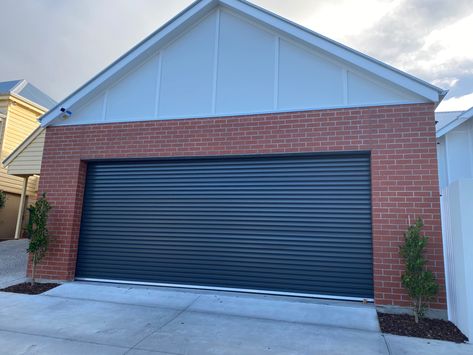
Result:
203,333
17,343
106,319
125,294
92,321
303,310
135,295
13,259
338,314
148,352
417,346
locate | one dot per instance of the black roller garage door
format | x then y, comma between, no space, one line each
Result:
296,224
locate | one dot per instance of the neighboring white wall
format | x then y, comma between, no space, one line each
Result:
457,221
455,154
228,64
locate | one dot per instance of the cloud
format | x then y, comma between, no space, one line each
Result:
461,103
406,27
427,38
59,45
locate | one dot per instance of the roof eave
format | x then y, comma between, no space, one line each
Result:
37,106
462,118
427,91
193,9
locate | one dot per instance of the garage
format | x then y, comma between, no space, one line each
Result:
180,164
289,224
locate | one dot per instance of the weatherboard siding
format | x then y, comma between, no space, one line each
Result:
455,154
20,122
29,160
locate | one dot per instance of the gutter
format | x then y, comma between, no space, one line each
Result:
463,117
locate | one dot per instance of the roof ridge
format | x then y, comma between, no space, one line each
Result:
19,86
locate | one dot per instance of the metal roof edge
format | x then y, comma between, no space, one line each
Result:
245,7
461,118
442,92
29,102
119,59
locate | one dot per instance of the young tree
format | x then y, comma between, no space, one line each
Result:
419,282
38,231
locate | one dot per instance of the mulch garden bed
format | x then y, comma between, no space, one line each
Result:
403,324
27,289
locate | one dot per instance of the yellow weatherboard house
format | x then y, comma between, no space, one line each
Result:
21,104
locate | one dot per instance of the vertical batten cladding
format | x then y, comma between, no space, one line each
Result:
401,140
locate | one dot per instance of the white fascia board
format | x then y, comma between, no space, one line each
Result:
465,116
29,102
18,87
140,50
411,83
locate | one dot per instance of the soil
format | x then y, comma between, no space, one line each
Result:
403,324
27,289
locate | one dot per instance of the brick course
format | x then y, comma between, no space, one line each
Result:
404,171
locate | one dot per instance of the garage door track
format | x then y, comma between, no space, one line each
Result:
81,318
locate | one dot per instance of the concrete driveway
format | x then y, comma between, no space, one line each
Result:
81,318
13,258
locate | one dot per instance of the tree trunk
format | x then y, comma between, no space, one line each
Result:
33,270
418,308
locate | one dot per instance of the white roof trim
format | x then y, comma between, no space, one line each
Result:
339,50
463,117
19,86
195,10
29,102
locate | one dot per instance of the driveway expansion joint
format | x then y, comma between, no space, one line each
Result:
63,338
387,344
135,347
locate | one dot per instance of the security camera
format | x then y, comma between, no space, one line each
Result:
66,113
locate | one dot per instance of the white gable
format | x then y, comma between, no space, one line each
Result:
307,79
186,85
230,64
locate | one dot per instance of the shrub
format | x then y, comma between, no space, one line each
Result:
38,232
420,283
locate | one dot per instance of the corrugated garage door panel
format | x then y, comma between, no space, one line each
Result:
298,224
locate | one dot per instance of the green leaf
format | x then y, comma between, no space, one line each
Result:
420,283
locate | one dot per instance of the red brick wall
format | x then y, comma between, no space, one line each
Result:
404,170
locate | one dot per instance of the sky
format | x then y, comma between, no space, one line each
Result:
58,45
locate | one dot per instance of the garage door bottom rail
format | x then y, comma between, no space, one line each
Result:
228,289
